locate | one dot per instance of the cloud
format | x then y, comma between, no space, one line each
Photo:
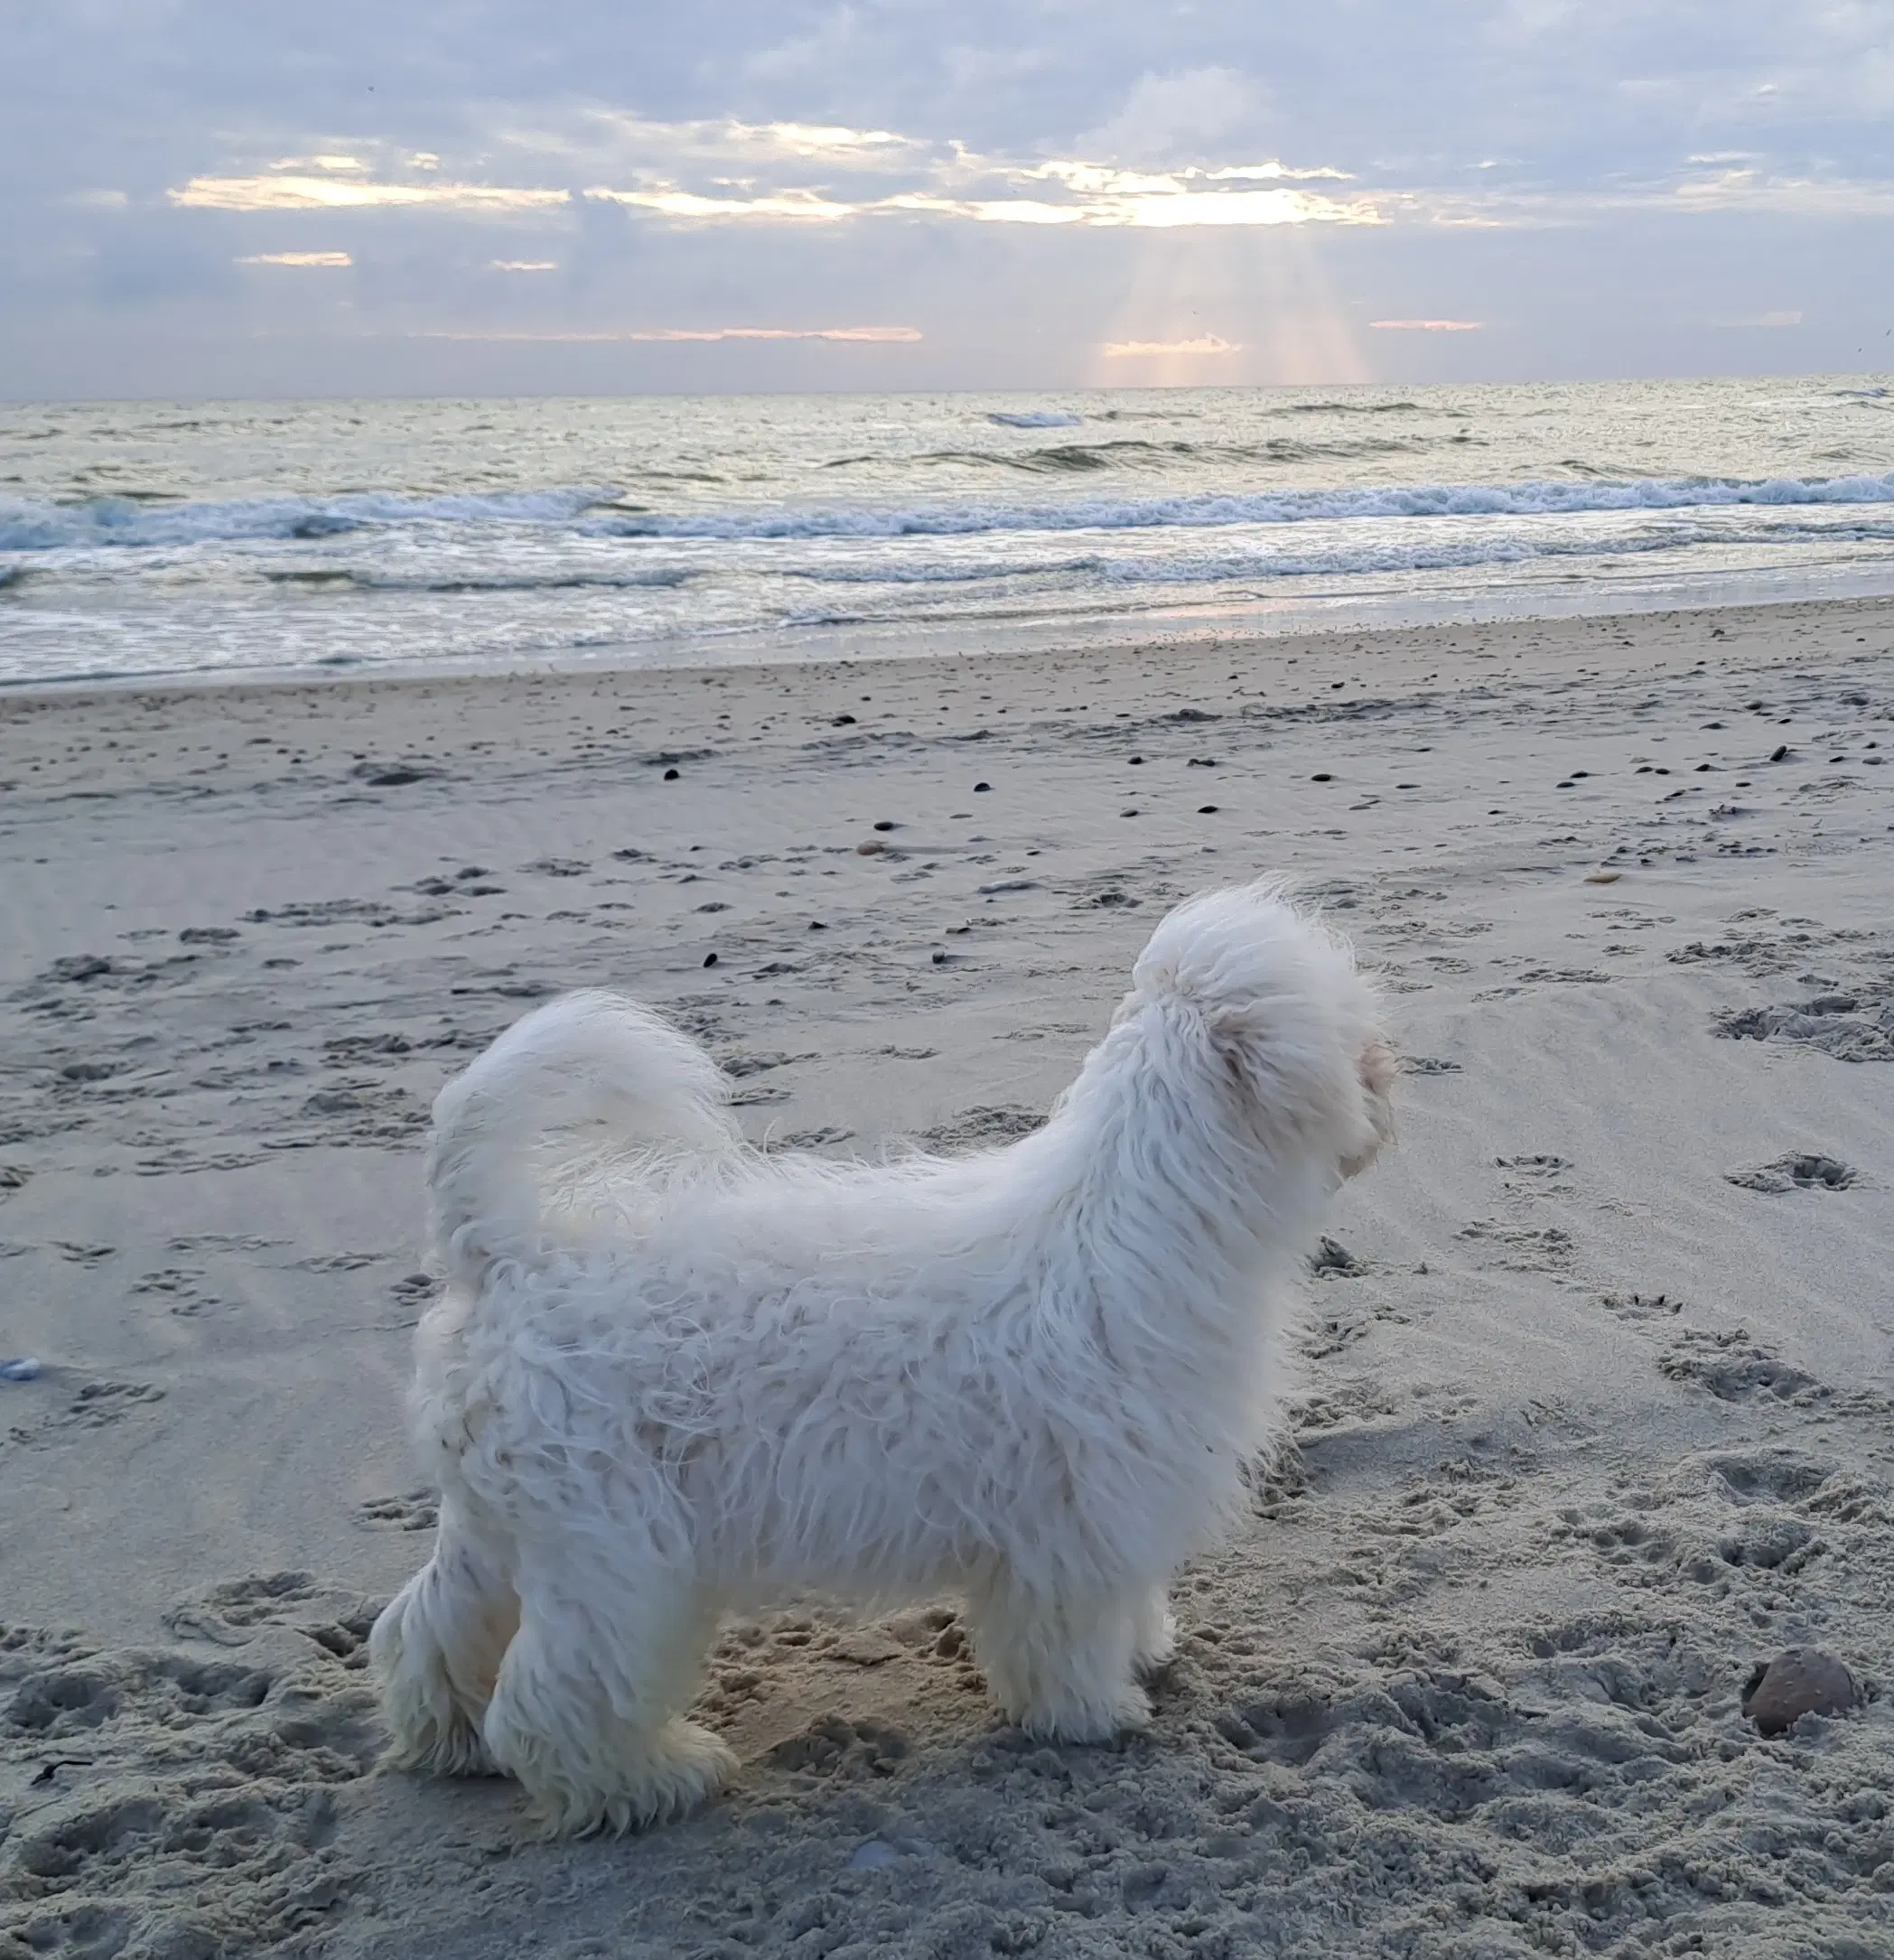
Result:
1167,115
796,207
297,258
1204,343
726,171
1095,195
831,141
612,136
1802,197
1608,187
871,336
351,193
327,159
1428,326
876,334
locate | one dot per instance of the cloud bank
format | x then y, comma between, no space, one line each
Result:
1026,195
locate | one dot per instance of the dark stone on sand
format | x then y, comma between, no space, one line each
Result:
1207,809
818,925
842,721
886,823
391,775
1779,753
77,966
1800,1680
1321,776
981,787
670,775
710,959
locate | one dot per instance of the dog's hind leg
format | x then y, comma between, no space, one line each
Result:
587,1713
437,1646
1063,1668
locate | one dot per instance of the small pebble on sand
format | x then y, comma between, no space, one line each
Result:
1800,1680
1606,874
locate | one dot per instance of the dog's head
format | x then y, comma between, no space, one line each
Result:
1288,1025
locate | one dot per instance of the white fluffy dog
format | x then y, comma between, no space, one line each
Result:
671,1375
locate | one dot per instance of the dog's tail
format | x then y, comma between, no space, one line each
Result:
589,1076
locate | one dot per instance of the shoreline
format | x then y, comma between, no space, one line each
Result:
1259,624
1516,631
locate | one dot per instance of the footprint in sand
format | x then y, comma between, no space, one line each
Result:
1735,1368
408,1510
982,1126
1799,1170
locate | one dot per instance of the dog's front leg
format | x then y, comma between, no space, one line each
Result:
1063,1668
587,1710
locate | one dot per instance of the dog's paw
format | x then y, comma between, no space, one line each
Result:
1075,1715
452,1747
656,1781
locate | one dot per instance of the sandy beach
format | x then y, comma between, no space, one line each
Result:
1594,1415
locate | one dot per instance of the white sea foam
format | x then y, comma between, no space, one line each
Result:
27,523
1191,567
1290,507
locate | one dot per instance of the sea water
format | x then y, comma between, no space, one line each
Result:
149,540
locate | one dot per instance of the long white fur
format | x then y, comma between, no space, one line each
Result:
672,1376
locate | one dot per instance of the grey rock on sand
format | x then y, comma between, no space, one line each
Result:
1800,1680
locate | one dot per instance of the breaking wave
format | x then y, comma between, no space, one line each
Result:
1269,507
27,525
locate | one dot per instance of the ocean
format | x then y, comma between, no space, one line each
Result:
141,541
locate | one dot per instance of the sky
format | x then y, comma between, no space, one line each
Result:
411,197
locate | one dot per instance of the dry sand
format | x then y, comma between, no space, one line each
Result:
1596,1415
